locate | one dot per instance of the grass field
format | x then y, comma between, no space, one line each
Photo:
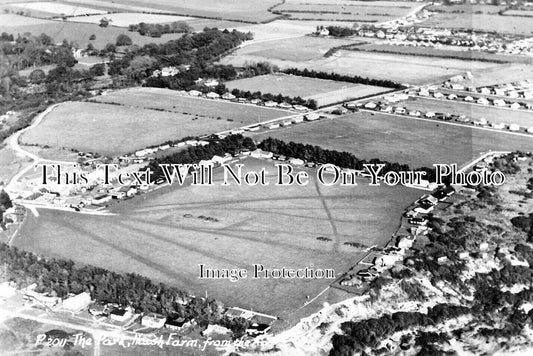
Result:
78,33
115,130
492,114
482,22
130,18
272,225
171,100
250,10
398,139
400,68
55,8
323,91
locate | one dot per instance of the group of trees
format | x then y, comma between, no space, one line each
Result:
197,51
357,336
156,30
61,277
341,159
230,144
341,31
30,51
343,78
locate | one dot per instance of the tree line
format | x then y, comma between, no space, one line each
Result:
343,78
156,30
318,154
231,144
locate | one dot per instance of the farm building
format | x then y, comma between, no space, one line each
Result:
298,119
212,95
195,93
153,320
177,324
261,154
313,116
77,302
514,127
296,161
482,101
515,106
121,314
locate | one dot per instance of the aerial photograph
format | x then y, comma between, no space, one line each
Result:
266,177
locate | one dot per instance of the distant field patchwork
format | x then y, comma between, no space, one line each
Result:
130,18
323,91
399,68
364,11
398,139
55,8
482,22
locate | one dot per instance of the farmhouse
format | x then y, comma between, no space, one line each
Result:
370,105
499,102
482,101
296,161
195,93
121,314
177,324
228,96
212,95
298,119
515,106
514,127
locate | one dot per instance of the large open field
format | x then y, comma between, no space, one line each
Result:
323,91
250,10
115,130
482,22
400,68
274,226
140,121
170,100
400,139
523,118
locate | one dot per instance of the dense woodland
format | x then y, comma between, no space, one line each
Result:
343,78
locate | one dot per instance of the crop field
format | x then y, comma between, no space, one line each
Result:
523,118
160,235
130,18
173,101
399,68
115,129
482,22
250,10
400,139
78,33
443,53
323,91
55,8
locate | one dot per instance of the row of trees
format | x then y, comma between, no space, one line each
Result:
156,30
230,144
343,78
341,159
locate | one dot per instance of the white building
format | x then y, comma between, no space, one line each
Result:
77,302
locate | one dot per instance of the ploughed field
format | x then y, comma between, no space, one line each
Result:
166,234
400,139
143,118
323,91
